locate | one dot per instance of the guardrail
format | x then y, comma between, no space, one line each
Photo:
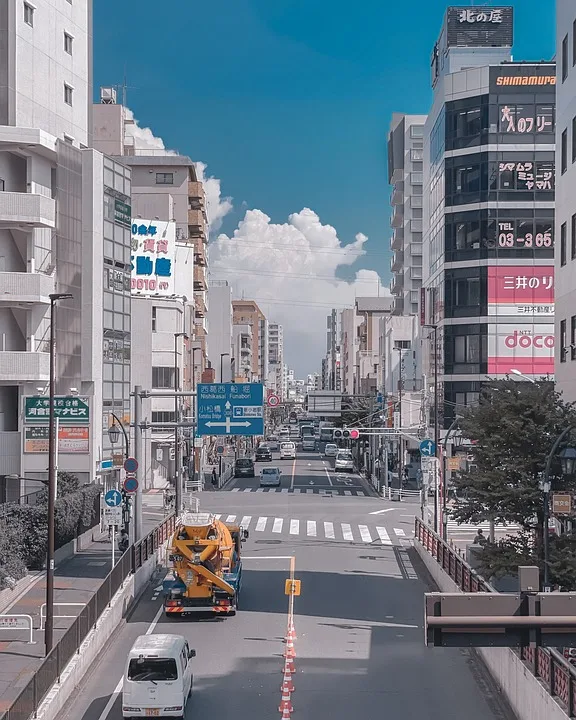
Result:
27,703
548,665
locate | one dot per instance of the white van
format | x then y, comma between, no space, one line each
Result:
158,677
287,451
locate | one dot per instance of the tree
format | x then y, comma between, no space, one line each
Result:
513,429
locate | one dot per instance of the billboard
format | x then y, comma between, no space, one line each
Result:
525,346
153,255
480,26
521,290
71,440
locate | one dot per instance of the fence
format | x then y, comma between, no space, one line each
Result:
546,664
26,704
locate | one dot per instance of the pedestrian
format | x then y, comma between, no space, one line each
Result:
123,541
214,477
480,539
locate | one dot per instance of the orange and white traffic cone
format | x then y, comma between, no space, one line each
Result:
289,666
287,684
291,633
285,704
286,714
290,652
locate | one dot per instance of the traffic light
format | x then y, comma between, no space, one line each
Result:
337,434
346,434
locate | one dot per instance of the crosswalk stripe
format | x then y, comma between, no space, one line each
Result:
399,532
383,535
245,522
347,492
294,527
236,489
231,518
347,532
217,517
284,490
311,528
329,530
365,533
261,524
278,522
247,490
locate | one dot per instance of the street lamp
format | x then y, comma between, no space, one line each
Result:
568,460
114,436
456,441
50,549
177,480
222,356
514,371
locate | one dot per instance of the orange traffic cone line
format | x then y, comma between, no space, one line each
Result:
291,633
289,664
287,685
286,714
285,703
290,652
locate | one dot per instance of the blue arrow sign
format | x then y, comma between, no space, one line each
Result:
113,498
230,409
427,448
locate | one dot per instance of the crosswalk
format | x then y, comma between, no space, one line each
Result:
321,530
454,528
357,492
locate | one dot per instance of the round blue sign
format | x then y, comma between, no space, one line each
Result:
130,485
130,465
113,498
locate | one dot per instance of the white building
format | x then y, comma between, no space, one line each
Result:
276,381
565,255
221,336
243,349
405,166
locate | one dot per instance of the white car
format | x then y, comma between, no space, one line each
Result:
309,443
330,450
287,451
344,461
270,477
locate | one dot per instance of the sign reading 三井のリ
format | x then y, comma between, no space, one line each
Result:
67,408
230,409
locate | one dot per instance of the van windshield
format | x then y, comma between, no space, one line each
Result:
151,669
243,462
344,455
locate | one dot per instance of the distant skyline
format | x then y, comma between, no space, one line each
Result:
289,104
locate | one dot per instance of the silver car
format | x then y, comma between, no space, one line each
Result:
330,450
344,461
270,477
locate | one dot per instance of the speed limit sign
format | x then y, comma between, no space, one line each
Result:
273,400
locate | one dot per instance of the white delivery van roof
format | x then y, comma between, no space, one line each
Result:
156,645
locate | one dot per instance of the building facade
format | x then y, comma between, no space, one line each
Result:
220,352
247,312
276,382
405,174
565,258
488,209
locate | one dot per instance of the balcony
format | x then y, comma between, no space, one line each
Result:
197,231
20,367
397,262
397,284
398,307
21,287
200,283
196,190
397,217
397,175
196,217
397,197
26,210
397,242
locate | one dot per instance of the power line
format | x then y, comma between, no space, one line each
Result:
313,250
219,268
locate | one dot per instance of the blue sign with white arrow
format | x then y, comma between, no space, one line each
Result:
428,448
113,498
230,409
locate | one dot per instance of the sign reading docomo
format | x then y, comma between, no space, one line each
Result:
561,504
71,440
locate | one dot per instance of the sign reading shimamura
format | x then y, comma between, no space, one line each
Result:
153,255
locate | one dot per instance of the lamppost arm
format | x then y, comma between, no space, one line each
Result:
126,439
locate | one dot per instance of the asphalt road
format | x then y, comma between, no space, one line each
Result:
360,646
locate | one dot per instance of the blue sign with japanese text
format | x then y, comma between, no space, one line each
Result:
230,409
153,257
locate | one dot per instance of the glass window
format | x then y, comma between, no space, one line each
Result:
573,139
562,340
68,39
564,58
152,669
68,92
162,377
416,131
574,43
28,14
563,244
164,178
573,238
573,337
564,151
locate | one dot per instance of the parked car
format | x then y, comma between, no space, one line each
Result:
270,477
263,454
344,461
244,467
330,450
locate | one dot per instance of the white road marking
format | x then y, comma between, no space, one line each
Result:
347,492
231,518
365,533
294,527
245,522
293,473
399,532
247,490
383,535
218,516
328,476
235,489
261,524
118,689
329,530
311,528
347,532
277,527
380,512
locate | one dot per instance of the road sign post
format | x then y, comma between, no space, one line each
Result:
230,409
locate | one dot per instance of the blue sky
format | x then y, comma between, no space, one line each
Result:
288,101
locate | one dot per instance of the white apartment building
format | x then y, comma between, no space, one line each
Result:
405,168
243,349
220,351
565,257
276,381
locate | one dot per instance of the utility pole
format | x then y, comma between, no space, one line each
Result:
138,456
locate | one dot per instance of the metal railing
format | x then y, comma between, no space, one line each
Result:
26,705
548,665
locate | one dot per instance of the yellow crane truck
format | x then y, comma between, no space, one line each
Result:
205,556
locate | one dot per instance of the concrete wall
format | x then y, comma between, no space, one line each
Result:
97,639
527,696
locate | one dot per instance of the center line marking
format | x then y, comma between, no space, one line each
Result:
293,474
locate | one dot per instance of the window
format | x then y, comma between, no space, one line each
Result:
574,43
573,238
416,131
163,416
573,337
68,94
402,344
164,178
163,377
574,139
562,340
152,669
563,244
1,185
467,349
564,58
29,14
564,151
68,43
153,318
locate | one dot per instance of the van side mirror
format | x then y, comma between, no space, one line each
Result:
192,654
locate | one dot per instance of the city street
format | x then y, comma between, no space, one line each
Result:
360,645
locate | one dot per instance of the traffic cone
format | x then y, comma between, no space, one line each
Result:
287,684
291,634
286,714
285,704
290,652
289,666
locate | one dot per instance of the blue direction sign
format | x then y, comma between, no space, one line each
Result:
113,498
427,448
230,409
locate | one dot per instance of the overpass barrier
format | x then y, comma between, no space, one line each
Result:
537,682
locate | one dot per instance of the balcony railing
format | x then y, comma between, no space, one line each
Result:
17,367
196,190
22,287
397,242
27,209
196,217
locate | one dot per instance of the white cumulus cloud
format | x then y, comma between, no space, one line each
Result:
290,270
145,141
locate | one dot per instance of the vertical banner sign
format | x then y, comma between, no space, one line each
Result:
153,257
422,306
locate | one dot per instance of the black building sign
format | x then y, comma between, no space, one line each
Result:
480,26
523,78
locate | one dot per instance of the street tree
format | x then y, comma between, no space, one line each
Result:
512,429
